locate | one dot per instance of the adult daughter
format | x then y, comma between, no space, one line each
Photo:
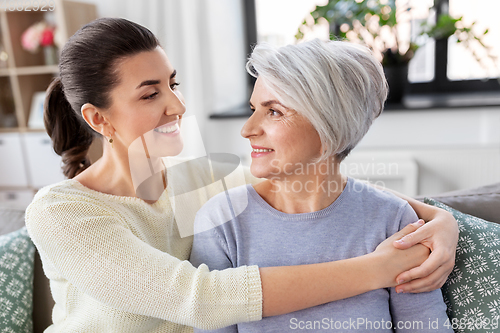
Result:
116,262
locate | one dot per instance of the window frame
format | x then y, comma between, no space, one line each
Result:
441,84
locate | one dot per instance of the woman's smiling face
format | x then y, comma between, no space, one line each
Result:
281,138
147,104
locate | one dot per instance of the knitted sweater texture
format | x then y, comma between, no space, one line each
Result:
118,264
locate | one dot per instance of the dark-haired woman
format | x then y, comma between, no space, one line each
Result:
116,262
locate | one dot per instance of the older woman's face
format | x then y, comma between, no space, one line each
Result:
283,141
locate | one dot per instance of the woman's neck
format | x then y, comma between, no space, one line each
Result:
119,173
305,193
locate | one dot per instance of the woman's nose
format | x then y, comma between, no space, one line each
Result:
251,126
175,105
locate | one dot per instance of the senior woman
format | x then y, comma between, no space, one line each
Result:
312,103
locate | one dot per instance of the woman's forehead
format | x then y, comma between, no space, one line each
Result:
146,65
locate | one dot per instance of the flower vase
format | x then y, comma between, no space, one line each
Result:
51,56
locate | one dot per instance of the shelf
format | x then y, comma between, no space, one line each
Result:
21,130
4,72
29,70
24,73
9,129
34,70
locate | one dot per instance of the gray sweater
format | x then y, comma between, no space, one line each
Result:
353,225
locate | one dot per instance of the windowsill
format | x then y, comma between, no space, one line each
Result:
242,111
448,100
410,102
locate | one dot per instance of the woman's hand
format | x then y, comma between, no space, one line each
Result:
440,235
393,261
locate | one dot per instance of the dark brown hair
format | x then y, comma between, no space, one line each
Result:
87,74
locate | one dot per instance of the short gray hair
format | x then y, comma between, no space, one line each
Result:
340,87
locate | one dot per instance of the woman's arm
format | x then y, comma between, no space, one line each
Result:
440,235
93,249
291,288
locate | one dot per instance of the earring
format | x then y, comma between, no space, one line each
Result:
111,141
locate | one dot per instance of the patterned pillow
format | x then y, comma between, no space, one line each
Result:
16,282
472,291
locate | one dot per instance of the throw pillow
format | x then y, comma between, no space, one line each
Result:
16,282
472,291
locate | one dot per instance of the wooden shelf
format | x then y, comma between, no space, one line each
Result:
26,73
34,70
29,70
20,130
4,72
9,129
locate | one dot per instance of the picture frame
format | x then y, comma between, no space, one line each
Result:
36,112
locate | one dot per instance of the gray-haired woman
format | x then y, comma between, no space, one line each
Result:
312,103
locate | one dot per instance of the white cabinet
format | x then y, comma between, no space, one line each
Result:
13,171
43,164
15,199
27,163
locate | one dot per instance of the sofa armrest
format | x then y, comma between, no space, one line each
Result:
483,202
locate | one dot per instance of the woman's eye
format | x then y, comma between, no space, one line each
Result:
174,85
275,113
153,95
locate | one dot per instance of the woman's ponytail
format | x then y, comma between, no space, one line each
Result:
71,138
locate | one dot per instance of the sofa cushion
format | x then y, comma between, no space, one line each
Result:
483,202
472,291
16,281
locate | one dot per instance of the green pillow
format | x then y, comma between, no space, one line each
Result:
17,254
472,291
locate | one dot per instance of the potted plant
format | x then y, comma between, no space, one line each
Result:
377,24
447,26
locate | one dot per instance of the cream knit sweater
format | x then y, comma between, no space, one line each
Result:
118,264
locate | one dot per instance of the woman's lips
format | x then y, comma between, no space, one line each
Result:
171,128
258,151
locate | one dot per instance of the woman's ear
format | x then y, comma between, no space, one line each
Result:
93,116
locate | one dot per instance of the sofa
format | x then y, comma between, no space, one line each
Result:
482,202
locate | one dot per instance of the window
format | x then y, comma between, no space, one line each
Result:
279,20
440,68
461,63
455,70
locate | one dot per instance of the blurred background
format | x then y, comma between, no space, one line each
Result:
440,130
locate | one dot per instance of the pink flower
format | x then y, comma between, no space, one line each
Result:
37,34
47,38
30,40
